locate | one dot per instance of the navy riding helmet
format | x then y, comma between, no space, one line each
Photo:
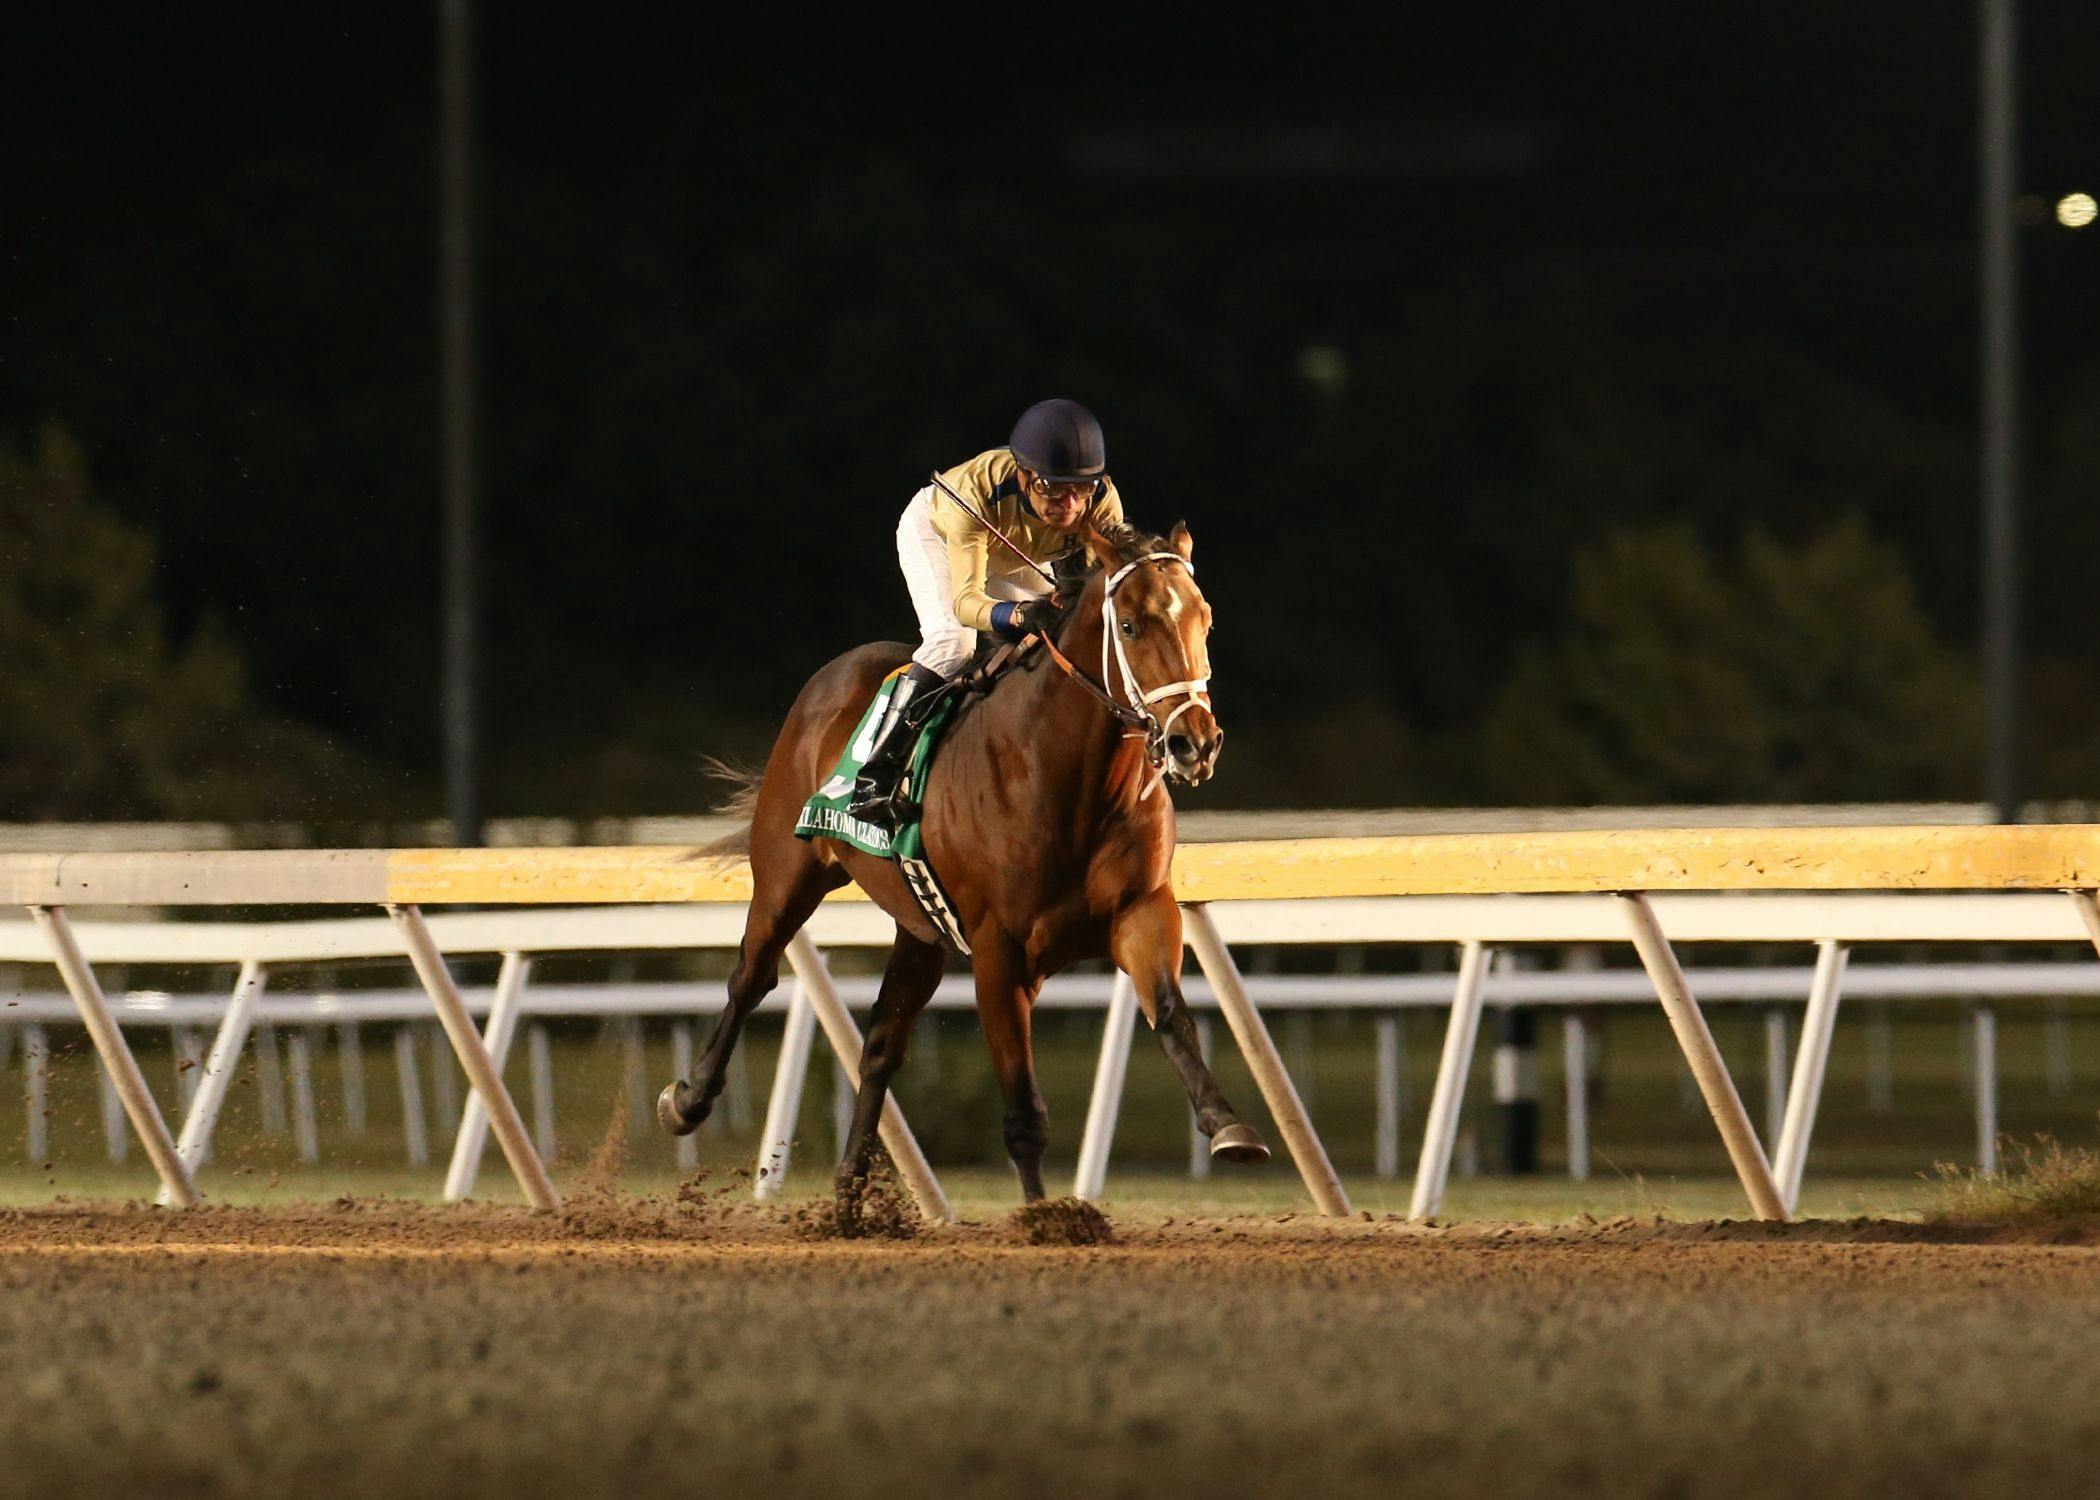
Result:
1059,441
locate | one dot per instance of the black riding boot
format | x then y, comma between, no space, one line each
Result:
877,791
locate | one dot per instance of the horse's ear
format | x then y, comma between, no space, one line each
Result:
1103,551
1180,540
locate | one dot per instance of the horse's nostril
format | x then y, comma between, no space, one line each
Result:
1181,747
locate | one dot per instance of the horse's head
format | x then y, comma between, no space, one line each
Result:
1155,644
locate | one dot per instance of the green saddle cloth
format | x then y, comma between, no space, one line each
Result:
824,815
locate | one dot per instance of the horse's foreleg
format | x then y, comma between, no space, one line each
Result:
1146,943
914,972
686,1102
1005,1009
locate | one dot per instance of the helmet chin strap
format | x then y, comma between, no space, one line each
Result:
1195,691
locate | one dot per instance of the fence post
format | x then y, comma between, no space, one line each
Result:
36,1074
784,1106
188,1055
298,1056
1517,1090
525,1163
1389,1046
1575,1066
1106,1102
1985,1024
350,1065
415,1128
1461,1032
1775,1072
217,1073
116,1055
1811,1059
1259,1049
502,1025
1703,1057
539,1056
269,1079
843,1085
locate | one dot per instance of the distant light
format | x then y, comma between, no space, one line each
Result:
2076,210
1325,367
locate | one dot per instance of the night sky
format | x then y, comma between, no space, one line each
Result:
743,288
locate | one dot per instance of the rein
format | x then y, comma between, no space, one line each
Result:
1133,717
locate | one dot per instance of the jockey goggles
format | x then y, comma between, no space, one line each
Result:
1060,489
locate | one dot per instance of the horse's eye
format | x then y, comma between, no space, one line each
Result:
1130,627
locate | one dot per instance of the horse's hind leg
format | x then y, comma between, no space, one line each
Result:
779,907
914,972
1146,941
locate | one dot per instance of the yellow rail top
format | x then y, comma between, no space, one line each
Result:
2032,857
1727,859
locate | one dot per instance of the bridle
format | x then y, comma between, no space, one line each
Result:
1135,712
1195,690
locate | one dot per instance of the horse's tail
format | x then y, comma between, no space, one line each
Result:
741,803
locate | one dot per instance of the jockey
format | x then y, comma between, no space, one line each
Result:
1046,486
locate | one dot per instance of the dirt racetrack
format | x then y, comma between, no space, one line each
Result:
652,1347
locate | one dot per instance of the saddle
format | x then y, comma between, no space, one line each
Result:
826,814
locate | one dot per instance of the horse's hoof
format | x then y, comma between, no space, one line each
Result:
1239,1143
672,1118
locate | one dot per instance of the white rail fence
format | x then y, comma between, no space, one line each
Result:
1775,990
1481,928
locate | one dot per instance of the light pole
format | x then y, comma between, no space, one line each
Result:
456,358
1999,286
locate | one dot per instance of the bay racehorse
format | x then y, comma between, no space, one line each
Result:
1045,817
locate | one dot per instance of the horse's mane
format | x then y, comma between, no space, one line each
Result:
1075,568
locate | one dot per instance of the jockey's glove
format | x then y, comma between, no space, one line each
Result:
1016,620
1037,617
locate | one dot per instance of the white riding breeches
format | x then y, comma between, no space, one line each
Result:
945,643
